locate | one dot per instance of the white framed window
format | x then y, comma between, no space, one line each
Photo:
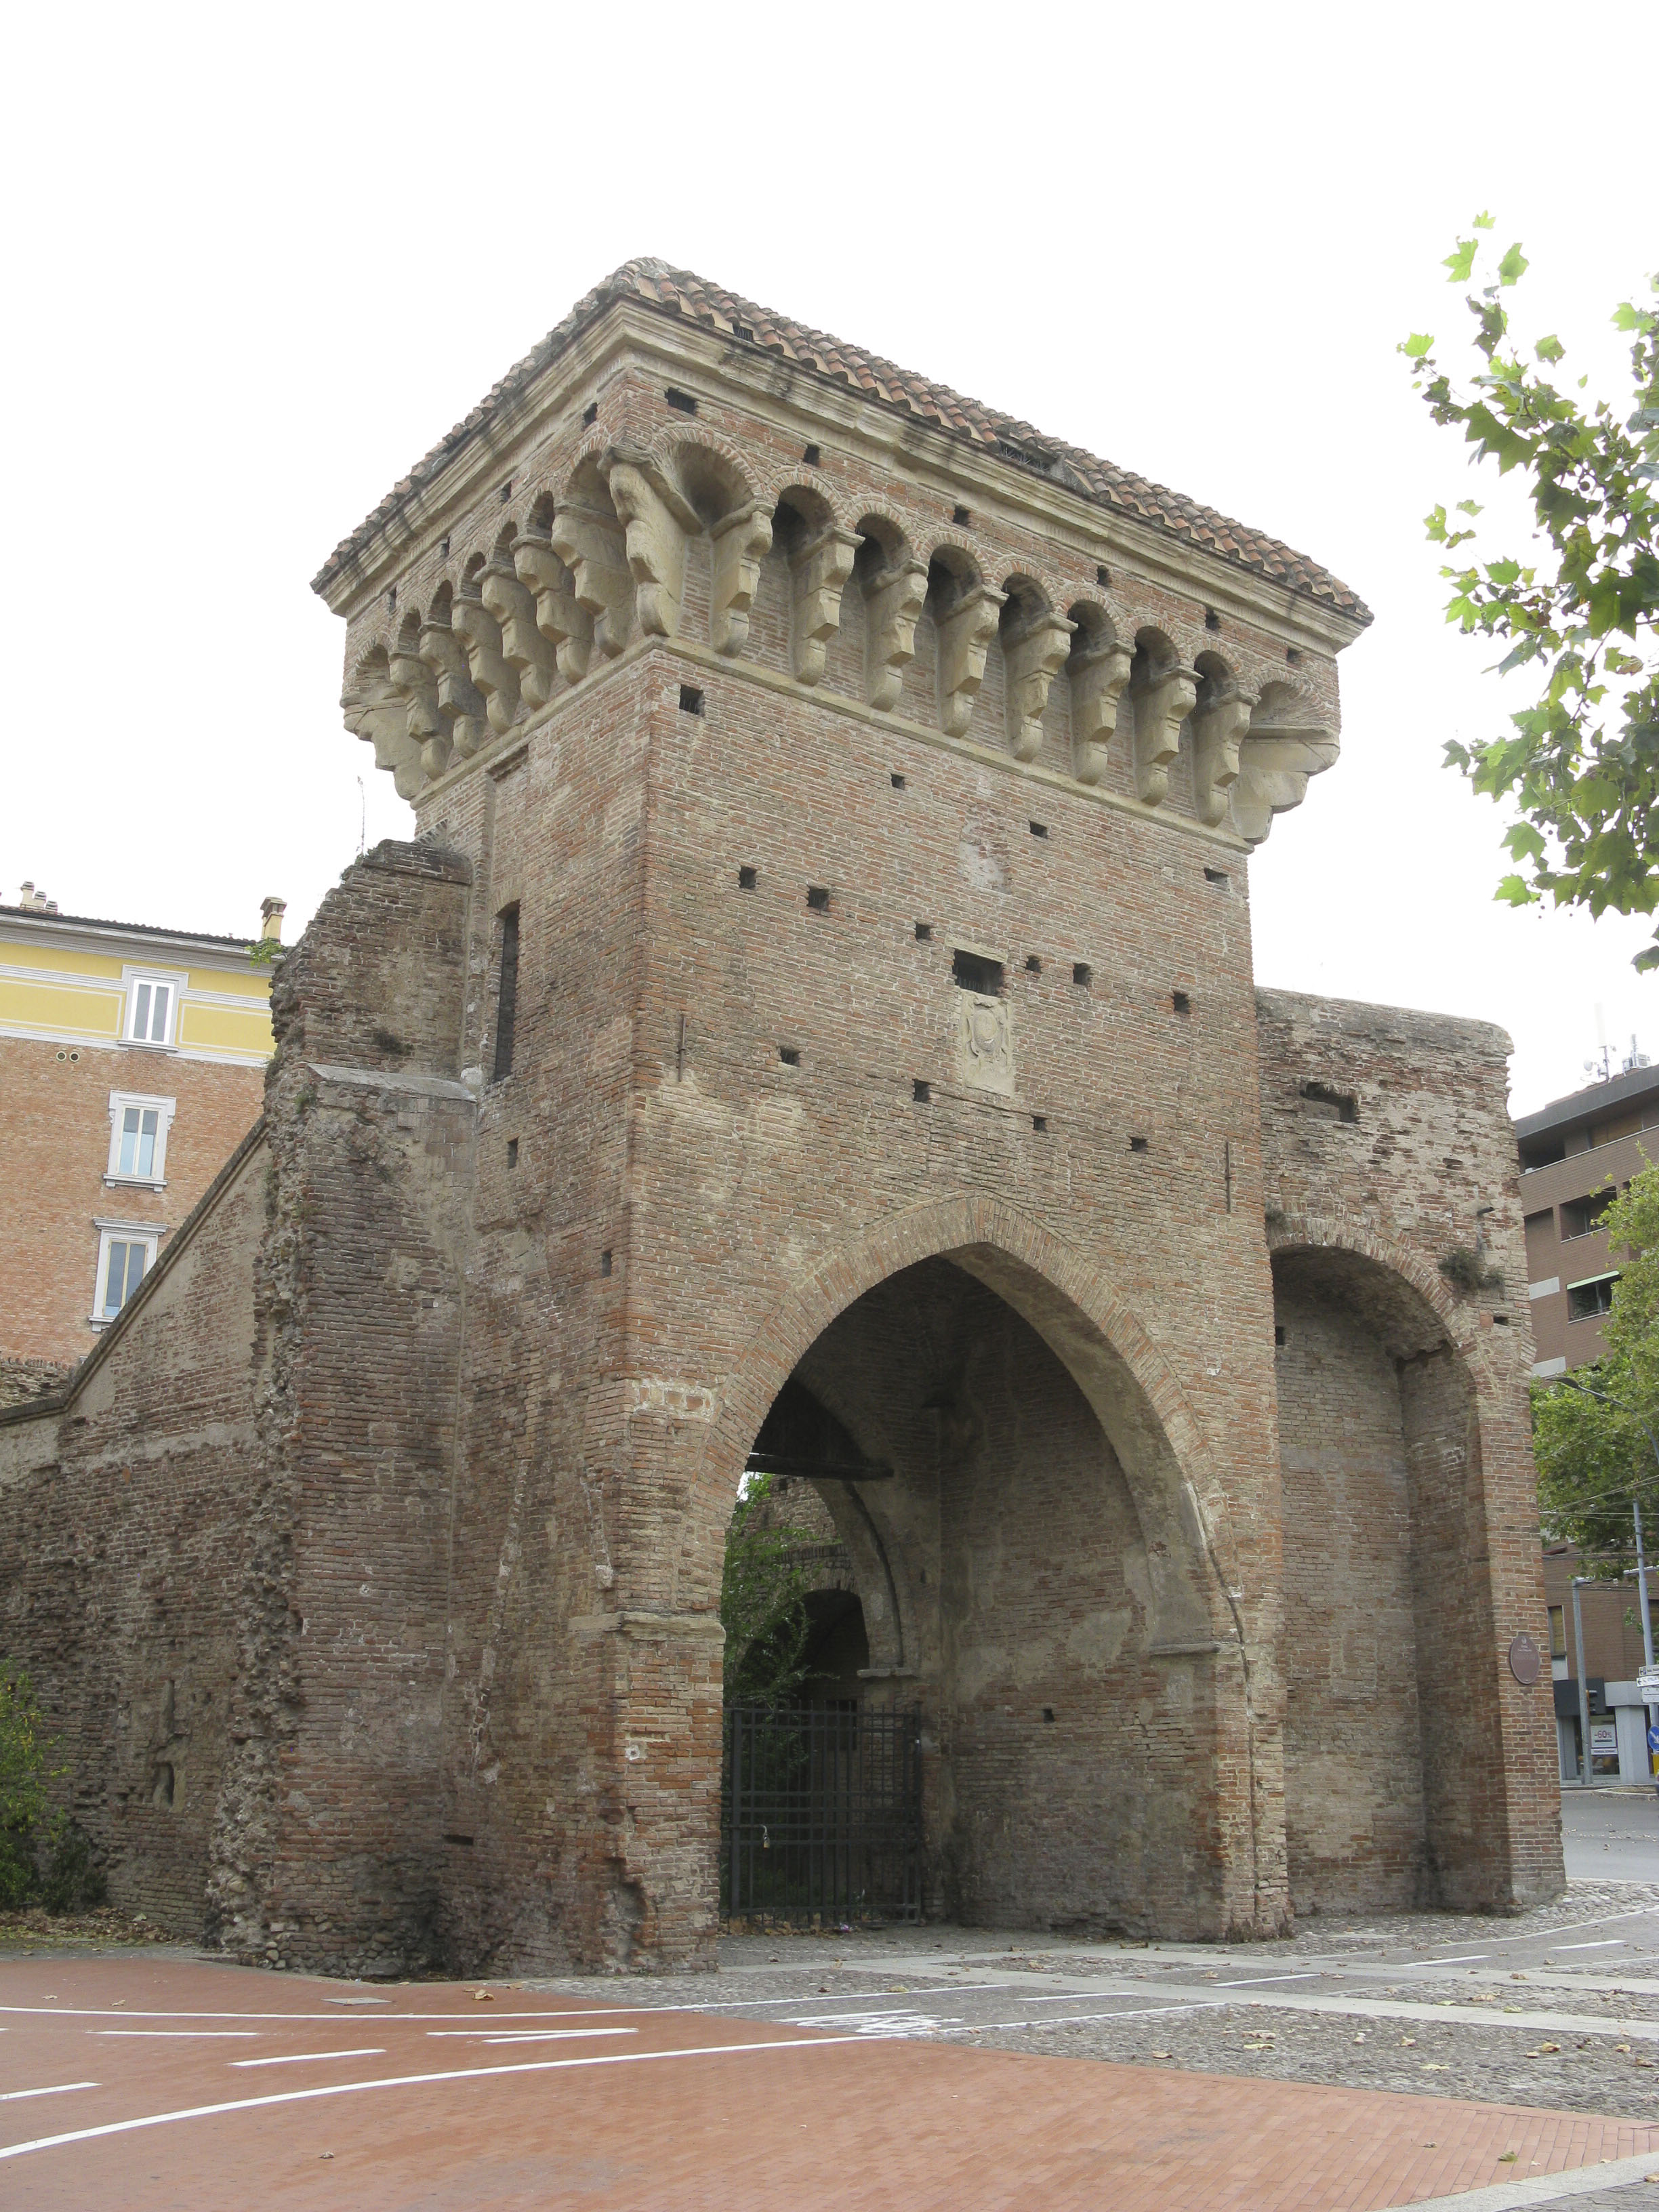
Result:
152,1010
126,1252
138,1139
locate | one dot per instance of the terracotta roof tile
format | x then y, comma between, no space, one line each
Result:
678,291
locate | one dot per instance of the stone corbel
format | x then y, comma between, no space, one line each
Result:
524,648
892,607
411,679
1162,704
591,547
562,619
1099,675
1283,745
655,522
479,632
1219,728
818,577
741,542
964,637
1032,656
382,725
461,703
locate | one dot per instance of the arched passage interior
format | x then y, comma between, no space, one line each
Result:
998,1555
1392,1752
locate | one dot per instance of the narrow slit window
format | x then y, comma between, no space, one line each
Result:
506,995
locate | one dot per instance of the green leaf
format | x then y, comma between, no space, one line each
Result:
1467,506
1524,841
1460,263
1549,349
1417,345
1513,267
1515,890
1484,222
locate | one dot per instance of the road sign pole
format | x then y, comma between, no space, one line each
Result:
1578,1581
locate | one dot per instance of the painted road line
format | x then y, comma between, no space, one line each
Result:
1473,1958
504,2034
1079,2019
419,2081
184,2034
1074,1996
56,2089
1604,1943
1252,1981
311,2057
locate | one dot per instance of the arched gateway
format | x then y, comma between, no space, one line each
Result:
820,994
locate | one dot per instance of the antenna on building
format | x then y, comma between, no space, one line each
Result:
1601,1066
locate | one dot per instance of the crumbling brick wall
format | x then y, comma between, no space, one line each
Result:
327,1842
1418,1769
122,1552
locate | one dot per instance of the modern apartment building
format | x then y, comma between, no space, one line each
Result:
132,1063
1576,1155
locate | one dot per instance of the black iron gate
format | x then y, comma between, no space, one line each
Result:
821,1813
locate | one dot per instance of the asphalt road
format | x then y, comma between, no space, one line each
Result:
1611,1835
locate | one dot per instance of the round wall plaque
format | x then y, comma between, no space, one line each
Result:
1525,1661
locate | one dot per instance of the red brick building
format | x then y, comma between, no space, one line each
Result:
132,1063
818,1011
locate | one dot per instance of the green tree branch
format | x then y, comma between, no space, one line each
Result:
1583,764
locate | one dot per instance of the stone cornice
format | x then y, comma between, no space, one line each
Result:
912,450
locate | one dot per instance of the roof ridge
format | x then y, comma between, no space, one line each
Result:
142,928
682,292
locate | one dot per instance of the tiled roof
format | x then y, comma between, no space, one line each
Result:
126,929
677,292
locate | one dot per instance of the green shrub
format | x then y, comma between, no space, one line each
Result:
44,1855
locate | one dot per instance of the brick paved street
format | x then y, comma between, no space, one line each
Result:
934,2066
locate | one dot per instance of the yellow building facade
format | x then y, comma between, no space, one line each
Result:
132,1063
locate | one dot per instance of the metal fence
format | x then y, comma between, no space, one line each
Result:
821,1813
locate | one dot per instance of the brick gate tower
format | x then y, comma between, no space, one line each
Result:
821,981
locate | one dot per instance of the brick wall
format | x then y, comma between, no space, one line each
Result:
327,1846
1388,1149
57,1120
122,1556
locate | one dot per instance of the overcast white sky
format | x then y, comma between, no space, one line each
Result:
261,259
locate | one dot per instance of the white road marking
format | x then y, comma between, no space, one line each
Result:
56,2089
1072,1997
184,2034
311,2057
503,2034
418,2082
1606,1943
1473,1958
1077,2018
331,2019
1252,1981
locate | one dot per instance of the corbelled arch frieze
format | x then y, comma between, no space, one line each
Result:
591,559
